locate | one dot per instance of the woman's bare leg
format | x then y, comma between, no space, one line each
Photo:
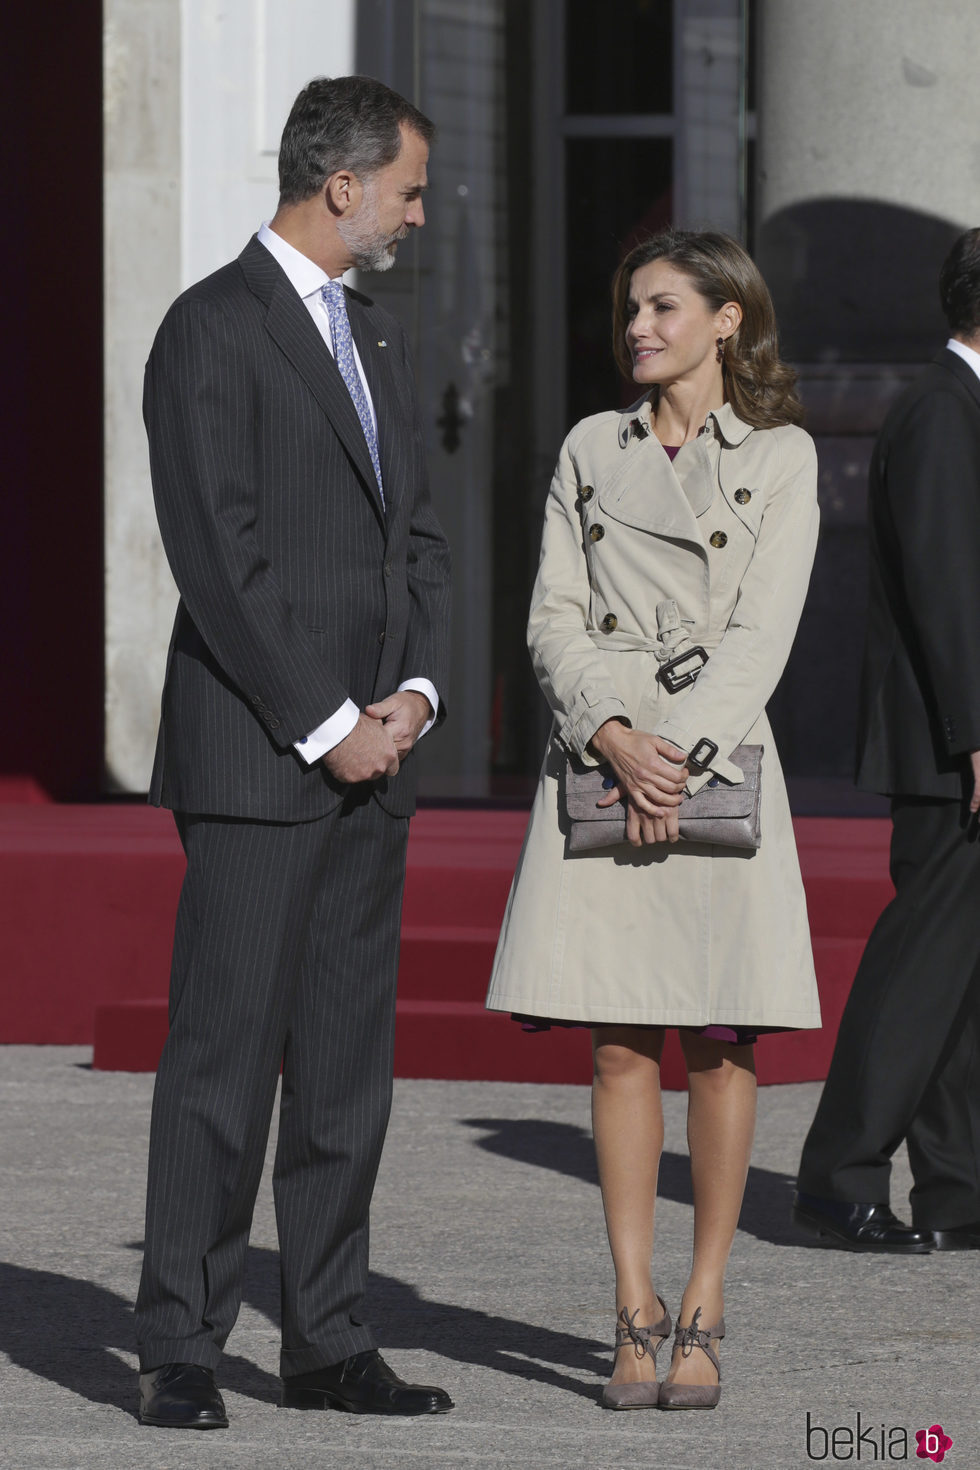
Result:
720,1128
628,1126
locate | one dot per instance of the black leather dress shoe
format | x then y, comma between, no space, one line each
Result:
363,1384
858,1227
181,1396
958,1238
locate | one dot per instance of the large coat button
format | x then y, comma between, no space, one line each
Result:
596,533
609,623
719,539
743,496
585,493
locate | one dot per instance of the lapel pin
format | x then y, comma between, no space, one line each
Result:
382,343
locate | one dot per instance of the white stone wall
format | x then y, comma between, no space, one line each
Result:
196,96
142,274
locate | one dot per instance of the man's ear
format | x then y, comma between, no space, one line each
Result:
342,192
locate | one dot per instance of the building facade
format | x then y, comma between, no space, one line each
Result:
836,138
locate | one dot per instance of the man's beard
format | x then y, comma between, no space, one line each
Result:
369,251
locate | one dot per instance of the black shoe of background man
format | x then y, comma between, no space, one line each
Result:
858,1227
181,1396
958,1238
363,1384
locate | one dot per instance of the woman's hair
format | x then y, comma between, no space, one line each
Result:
758,385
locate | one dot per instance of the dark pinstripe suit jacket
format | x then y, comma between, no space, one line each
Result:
297,589
920,690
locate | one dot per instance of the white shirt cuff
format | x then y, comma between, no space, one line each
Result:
424,686
315,745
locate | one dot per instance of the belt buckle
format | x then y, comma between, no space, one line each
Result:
701,755
677,673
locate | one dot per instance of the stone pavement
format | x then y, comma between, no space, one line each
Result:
491,1277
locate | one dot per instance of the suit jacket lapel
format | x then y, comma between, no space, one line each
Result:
289,324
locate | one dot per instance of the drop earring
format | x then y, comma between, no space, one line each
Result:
720,345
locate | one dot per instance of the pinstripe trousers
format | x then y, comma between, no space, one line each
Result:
285,951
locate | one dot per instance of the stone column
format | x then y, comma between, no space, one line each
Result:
142,276
196,97
868,169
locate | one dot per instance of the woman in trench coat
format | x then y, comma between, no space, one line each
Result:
687,521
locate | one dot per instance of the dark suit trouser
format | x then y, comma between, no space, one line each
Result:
907,1059
286,950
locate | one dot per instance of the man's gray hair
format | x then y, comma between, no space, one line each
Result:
342,123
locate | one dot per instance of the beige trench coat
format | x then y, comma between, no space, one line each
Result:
685,934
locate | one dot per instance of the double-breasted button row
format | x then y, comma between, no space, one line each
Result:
743,496
718,539
585,493
609,623
596,533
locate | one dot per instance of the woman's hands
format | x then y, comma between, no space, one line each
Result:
650,773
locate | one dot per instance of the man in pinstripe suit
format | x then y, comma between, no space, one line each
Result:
309,655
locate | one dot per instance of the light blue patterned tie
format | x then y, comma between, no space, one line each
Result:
343,351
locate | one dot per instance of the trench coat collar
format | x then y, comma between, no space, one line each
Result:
655,499
730,428
636,422
643,490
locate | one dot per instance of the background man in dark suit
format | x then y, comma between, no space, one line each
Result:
907,1059
309,654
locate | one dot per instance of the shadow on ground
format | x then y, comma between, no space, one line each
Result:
73,1333
567,1148
76,1334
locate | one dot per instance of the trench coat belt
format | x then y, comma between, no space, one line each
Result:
617,642
636,643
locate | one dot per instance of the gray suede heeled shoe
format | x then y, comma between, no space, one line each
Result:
645,1340
694,1395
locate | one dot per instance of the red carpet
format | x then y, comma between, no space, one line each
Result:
88,893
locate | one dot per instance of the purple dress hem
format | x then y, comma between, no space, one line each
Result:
736,1035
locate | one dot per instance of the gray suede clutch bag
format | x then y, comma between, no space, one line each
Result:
727,816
